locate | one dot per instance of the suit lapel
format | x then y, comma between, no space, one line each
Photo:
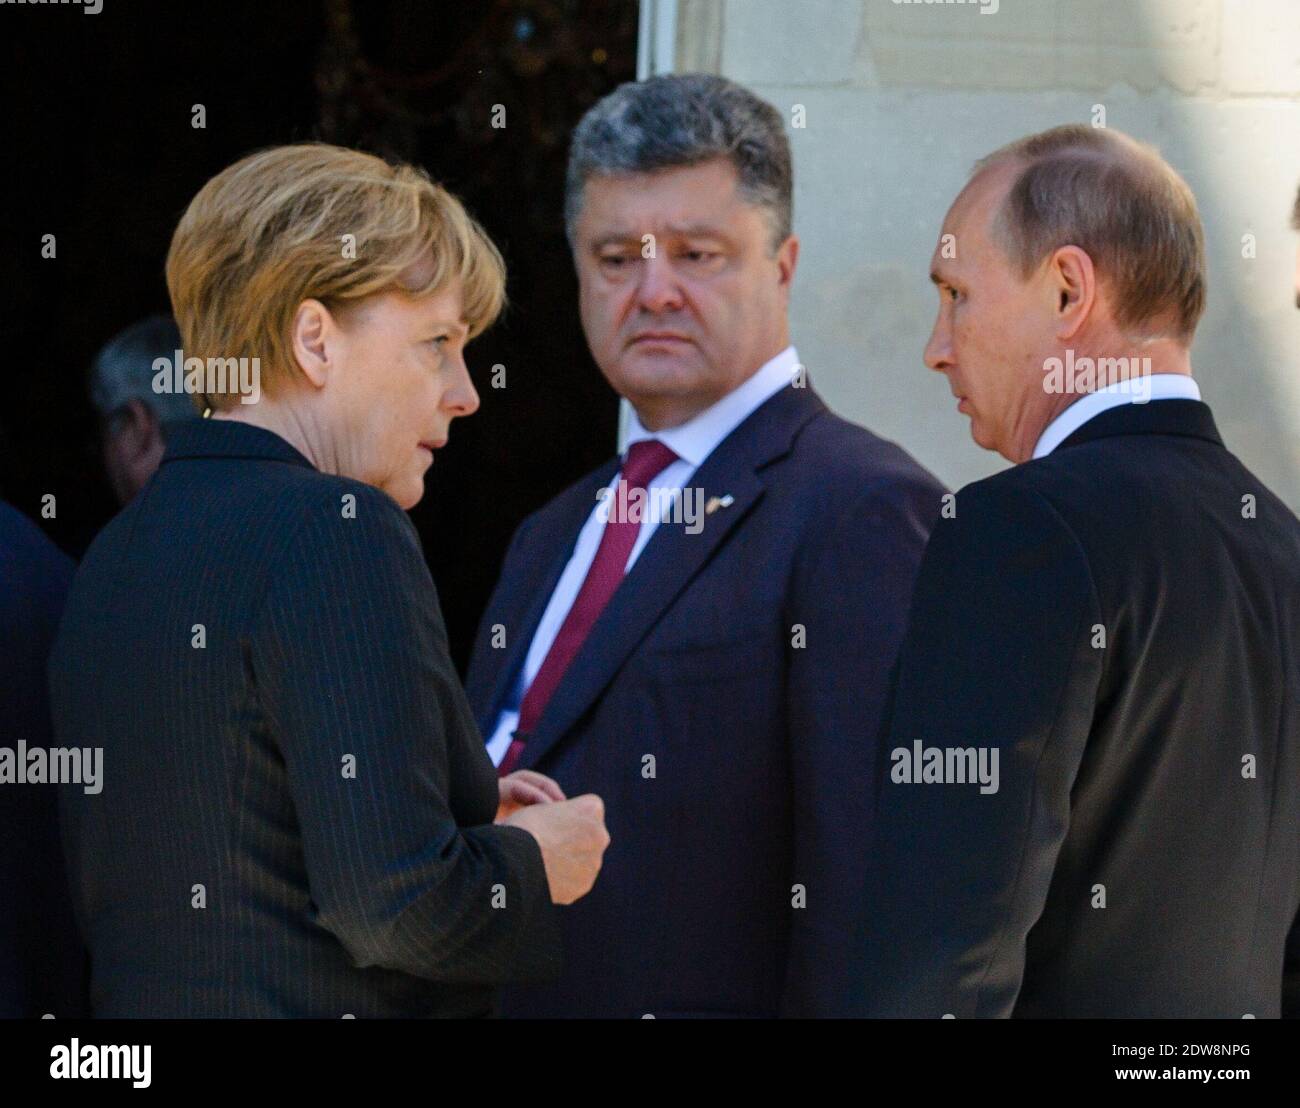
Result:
556,533
671,559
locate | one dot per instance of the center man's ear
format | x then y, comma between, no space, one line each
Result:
313,330
787,258
1074,284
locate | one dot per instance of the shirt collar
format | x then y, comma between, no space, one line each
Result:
1157,386
699,436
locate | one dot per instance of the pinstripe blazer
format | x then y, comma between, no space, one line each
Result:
296,809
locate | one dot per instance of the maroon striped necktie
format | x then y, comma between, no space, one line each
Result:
645,461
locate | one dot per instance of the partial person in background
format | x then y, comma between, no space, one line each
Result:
714,665
1089,803
131,411
42,961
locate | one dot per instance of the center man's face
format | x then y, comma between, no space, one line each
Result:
680,295
404,380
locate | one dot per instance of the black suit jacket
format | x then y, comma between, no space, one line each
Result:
1120,621
42,961
296,816
726,705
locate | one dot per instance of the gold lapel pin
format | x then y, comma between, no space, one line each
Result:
716,502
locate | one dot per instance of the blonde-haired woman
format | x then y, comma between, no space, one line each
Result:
298,817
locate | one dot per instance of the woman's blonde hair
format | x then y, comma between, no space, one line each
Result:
316,221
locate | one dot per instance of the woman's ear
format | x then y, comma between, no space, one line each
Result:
313,334
1074,282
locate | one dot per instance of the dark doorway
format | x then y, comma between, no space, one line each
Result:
100,152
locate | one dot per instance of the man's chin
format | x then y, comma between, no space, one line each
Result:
672,359
980,435
656,376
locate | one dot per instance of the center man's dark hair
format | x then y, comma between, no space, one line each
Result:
683,120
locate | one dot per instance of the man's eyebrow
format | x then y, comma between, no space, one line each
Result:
685,230
697,230
615,238
935,278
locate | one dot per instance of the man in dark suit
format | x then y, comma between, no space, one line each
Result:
1089,801
296,816
702,630
42,961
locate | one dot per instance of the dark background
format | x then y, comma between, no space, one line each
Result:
98,150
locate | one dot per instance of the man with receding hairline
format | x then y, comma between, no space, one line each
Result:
1112,627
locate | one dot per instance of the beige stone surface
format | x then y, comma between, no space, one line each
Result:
900,99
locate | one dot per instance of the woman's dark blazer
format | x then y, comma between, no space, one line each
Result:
295,812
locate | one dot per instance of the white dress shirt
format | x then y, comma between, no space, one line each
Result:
692,442
1159,386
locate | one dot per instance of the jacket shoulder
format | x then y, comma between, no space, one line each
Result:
569,498
840,454
1027,490
27,554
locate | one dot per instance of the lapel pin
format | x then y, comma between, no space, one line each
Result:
716,502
